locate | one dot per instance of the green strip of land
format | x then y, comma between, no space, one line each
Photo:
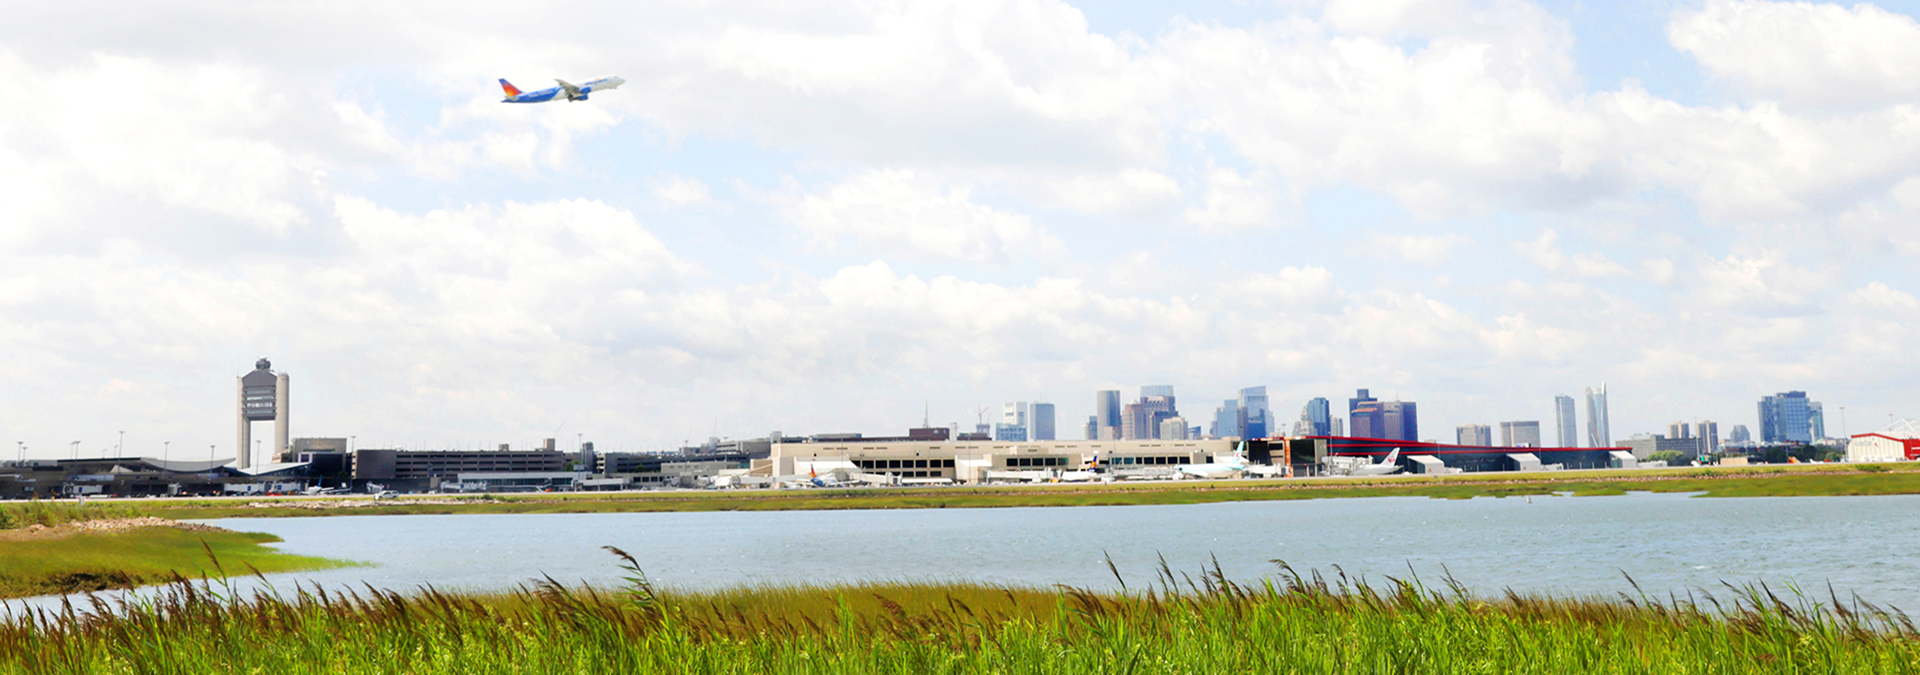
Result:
67,547
95,561
1764,481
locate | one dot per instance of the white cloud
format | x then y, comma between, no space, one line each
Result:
1764,285
1233,201
1412,248
340,188
1544,252
899,211
686,192
1803,53
1137,192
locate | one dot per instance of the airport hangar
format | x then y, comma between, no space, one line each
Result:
1423,457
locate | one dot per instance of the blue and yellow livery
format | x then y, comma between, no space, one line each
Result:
568,91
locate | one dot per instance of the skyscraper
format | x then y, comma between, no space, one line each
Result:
1569,434
1106,412
1598,434
1367,420
1739,434
1474,434
1339,427
1013,422
1141,421
1786,417
1040,421
1709,435
1679,430
1816,420
1173,428
1259,419
1520,434
1009,432
1402,420
1093,427
1363,415
1226,419
1318,416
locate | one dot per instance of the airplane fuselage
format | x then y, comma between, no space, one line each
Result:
565,91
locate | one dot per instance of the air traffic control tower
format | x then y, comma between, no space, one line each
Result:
263,396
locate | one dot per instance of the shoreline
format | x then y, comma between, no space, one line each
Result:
1760,481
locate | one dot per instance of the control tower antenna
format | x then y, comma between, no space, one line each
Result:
924,407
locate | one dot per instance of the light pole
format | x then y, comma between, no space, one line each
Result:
121,447
76,450
23,451
166,450
1843,422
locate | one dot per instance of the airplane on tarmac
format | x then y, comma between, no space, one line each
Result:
566,90
1386,466
1227,469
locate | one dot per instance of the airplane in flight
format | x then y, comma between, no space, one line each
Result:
567,90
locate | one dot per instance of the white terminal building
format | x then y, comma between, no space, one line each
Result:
939,461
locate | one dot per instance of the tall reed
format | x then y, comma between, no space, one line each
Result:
1185,623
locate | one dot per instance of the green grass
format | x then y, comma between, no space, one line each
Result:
90,561
1179,624
1764,481
16,515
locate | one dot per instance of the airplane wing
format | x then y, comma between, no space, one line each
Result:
572,90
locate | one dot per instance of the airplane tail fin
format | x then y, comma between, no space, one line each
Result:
1392,457
508,86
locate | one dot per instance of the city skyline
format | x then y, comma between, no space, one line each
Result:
837,217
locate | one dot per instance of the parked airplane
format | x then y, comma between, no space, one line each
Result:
571,92
1237,465
1386,466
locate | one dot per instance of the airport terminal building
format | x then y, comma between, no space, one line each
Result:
982,461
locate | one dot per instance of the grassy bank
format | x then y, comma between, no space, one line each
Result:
92,561
67,547
18,515
1768,481
1179,625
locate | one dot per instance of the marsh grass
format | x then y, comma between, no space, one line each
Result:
16,515
92,561
1178,623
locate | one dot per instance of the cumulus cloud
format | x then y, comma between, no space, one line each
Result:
898,211
340,188
1411,248
686,192
1544,252
1803,53
1233,201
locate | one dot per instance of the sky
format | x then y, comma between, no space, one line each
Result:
842,216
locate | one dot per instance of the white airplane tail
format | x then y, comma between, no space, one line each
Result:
1392,458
